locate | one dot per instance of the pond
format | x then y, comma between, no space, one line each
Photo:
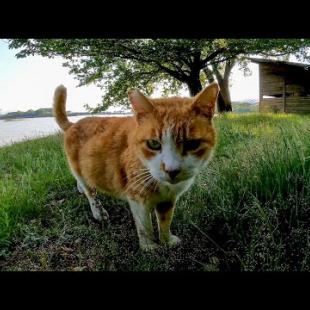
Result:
15,130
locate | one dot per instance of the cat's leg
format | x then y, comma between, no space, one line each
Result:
96,208
164,214
79,187
143,221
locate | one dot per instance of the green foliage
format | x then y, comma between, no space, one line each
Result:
244,107
43,112
117,64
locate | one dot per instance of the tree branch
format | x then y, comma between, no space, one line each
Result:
173,73
228,67
138,56
209,74
217,74
205,61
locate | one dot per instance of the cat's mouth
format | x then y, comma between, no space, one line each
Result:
176,180
170,182
183,177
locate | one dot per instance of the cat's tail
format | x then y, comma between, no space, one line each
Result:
59,108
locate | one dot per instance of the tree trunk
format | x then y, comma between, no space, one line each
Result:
209,75
194,86
224,100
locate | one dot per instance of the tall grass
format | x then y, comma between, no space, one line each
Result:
29,172
258,187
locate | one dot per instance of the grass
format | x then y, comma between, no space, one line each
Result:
249,210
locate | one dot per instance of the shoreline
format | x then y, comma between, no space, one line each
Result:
2,118
16,130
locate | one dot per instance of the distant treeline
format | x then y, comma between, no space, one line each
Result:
244,107
48,112
238,107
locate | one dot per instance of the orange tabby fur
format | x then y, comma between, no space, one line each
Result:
106,152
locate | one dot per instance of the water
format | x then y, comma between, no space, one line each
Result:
16,130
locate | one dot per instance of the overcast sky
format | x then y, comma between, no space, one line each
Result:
29,83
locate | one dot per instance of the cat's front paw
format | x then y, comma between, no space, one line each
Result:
148,246
96,214
104,213
99,212
79,188
172,242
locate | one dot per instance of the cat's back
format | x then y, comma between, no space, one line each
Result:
88,127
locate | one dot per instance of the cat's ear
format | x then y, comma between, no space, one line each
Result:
204,102
140,103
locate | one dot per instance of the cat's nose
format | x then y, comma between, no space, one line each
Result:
173,173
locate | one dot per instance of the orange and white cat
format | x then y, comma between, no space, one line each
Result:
148,159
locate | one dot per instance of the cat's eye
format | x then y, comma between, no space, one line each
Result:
191,145
153,144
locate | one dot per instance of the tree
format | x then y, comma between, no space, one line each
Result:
116,64
222,73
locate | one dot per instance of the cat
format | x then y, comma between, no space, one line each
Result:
148,159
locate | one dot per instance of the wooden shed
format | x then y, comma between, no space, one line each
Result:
283,86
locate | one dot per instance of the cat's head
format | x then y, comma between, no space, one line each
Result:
175,136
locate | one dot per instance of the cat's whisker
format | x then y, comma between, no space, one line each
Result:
135,178
138,171
142,182
137,182
135,174
150,186
155,186
140,174
146,184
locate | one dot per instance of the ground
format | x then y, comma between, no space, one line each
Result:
249,210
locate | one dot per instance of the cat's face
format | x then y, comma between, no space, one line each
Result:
175,136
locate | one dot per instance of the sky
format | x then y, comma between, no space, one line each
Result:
29,83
